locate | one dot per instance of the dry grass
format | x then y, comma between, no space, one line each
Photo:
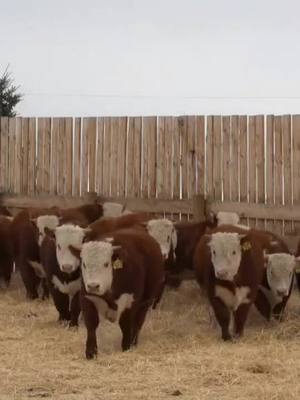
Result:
180,354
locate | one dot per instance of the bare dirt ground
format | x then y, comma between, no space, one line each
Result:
180,355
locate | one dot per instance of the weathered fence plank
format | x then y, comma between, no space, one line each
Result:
226,157
199,154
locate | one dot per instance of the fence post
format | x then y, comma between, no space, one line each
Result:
198,207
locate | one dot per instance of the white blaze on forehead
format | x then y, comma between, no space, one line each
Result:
66,236
46,221
226,254
227,218
112,209
164,232
280,269
96,266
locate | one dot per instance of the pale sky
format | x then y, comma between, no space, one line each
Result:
150,57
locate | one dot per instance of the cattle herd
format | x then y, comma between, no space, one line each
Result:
110,263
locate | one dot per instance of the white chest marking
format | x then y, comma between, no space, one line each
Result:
38,269
233,300
70,288
124,301
271,297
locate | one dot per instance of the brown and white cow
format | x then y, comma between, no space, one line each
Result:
230,267
122,277
277,283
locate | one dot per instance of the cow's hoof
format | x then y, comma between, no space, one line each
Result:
91,354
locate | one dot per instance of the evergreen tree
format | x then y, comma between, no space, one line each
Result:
9,95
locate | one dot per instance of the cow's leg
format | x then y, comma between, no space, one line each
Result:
278,310
30,280
45,289
138,322
75,309
262,304
222,314
159,295
240,317
126,322
91,320
61,302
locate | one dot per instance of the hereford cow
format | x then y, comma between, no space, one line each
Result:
122,277
63,276
230,267
26,254
6,250
276,286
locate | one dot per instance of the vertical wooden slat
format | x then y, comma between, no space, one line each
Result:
260,163
47,155
176,159
200,154
209,157
226,157
161,164
12,152
122,155
91,133
31,156
25,144
61,178
169,129
100,147
191,156
184,156
68,161
287,167
252,165
270,166
77,157
137,156
217,158
149,154
278,171
243,158
296,163
4,153
54,156
18,157
234,165
114,155
130,158
84,157
40,155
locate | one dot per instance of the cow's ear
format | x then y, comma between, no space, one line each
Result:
49,232
242,236
75,251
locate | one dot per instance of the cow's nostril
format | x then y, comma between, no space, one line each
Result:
93,286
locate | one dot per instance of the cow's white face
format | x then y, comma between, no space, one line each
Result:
96,266
227,218
112,209
226,254
46,221
68,237
280,270
164,232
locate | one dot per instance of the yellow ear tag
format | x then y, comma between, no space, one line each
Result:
118,264
246,246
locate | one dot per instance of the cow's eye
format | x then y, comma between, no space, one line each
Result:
106,264
168,238
234,253
83,265
58,246
40,233
214,252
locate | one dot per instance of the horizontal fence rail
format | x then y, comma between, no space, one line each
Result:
245,160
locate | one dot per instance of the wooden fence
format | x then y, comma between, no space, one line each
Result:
248,160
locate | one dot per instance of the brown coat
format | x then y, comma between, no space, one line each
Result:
6,250
82,215
231,296
141,275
